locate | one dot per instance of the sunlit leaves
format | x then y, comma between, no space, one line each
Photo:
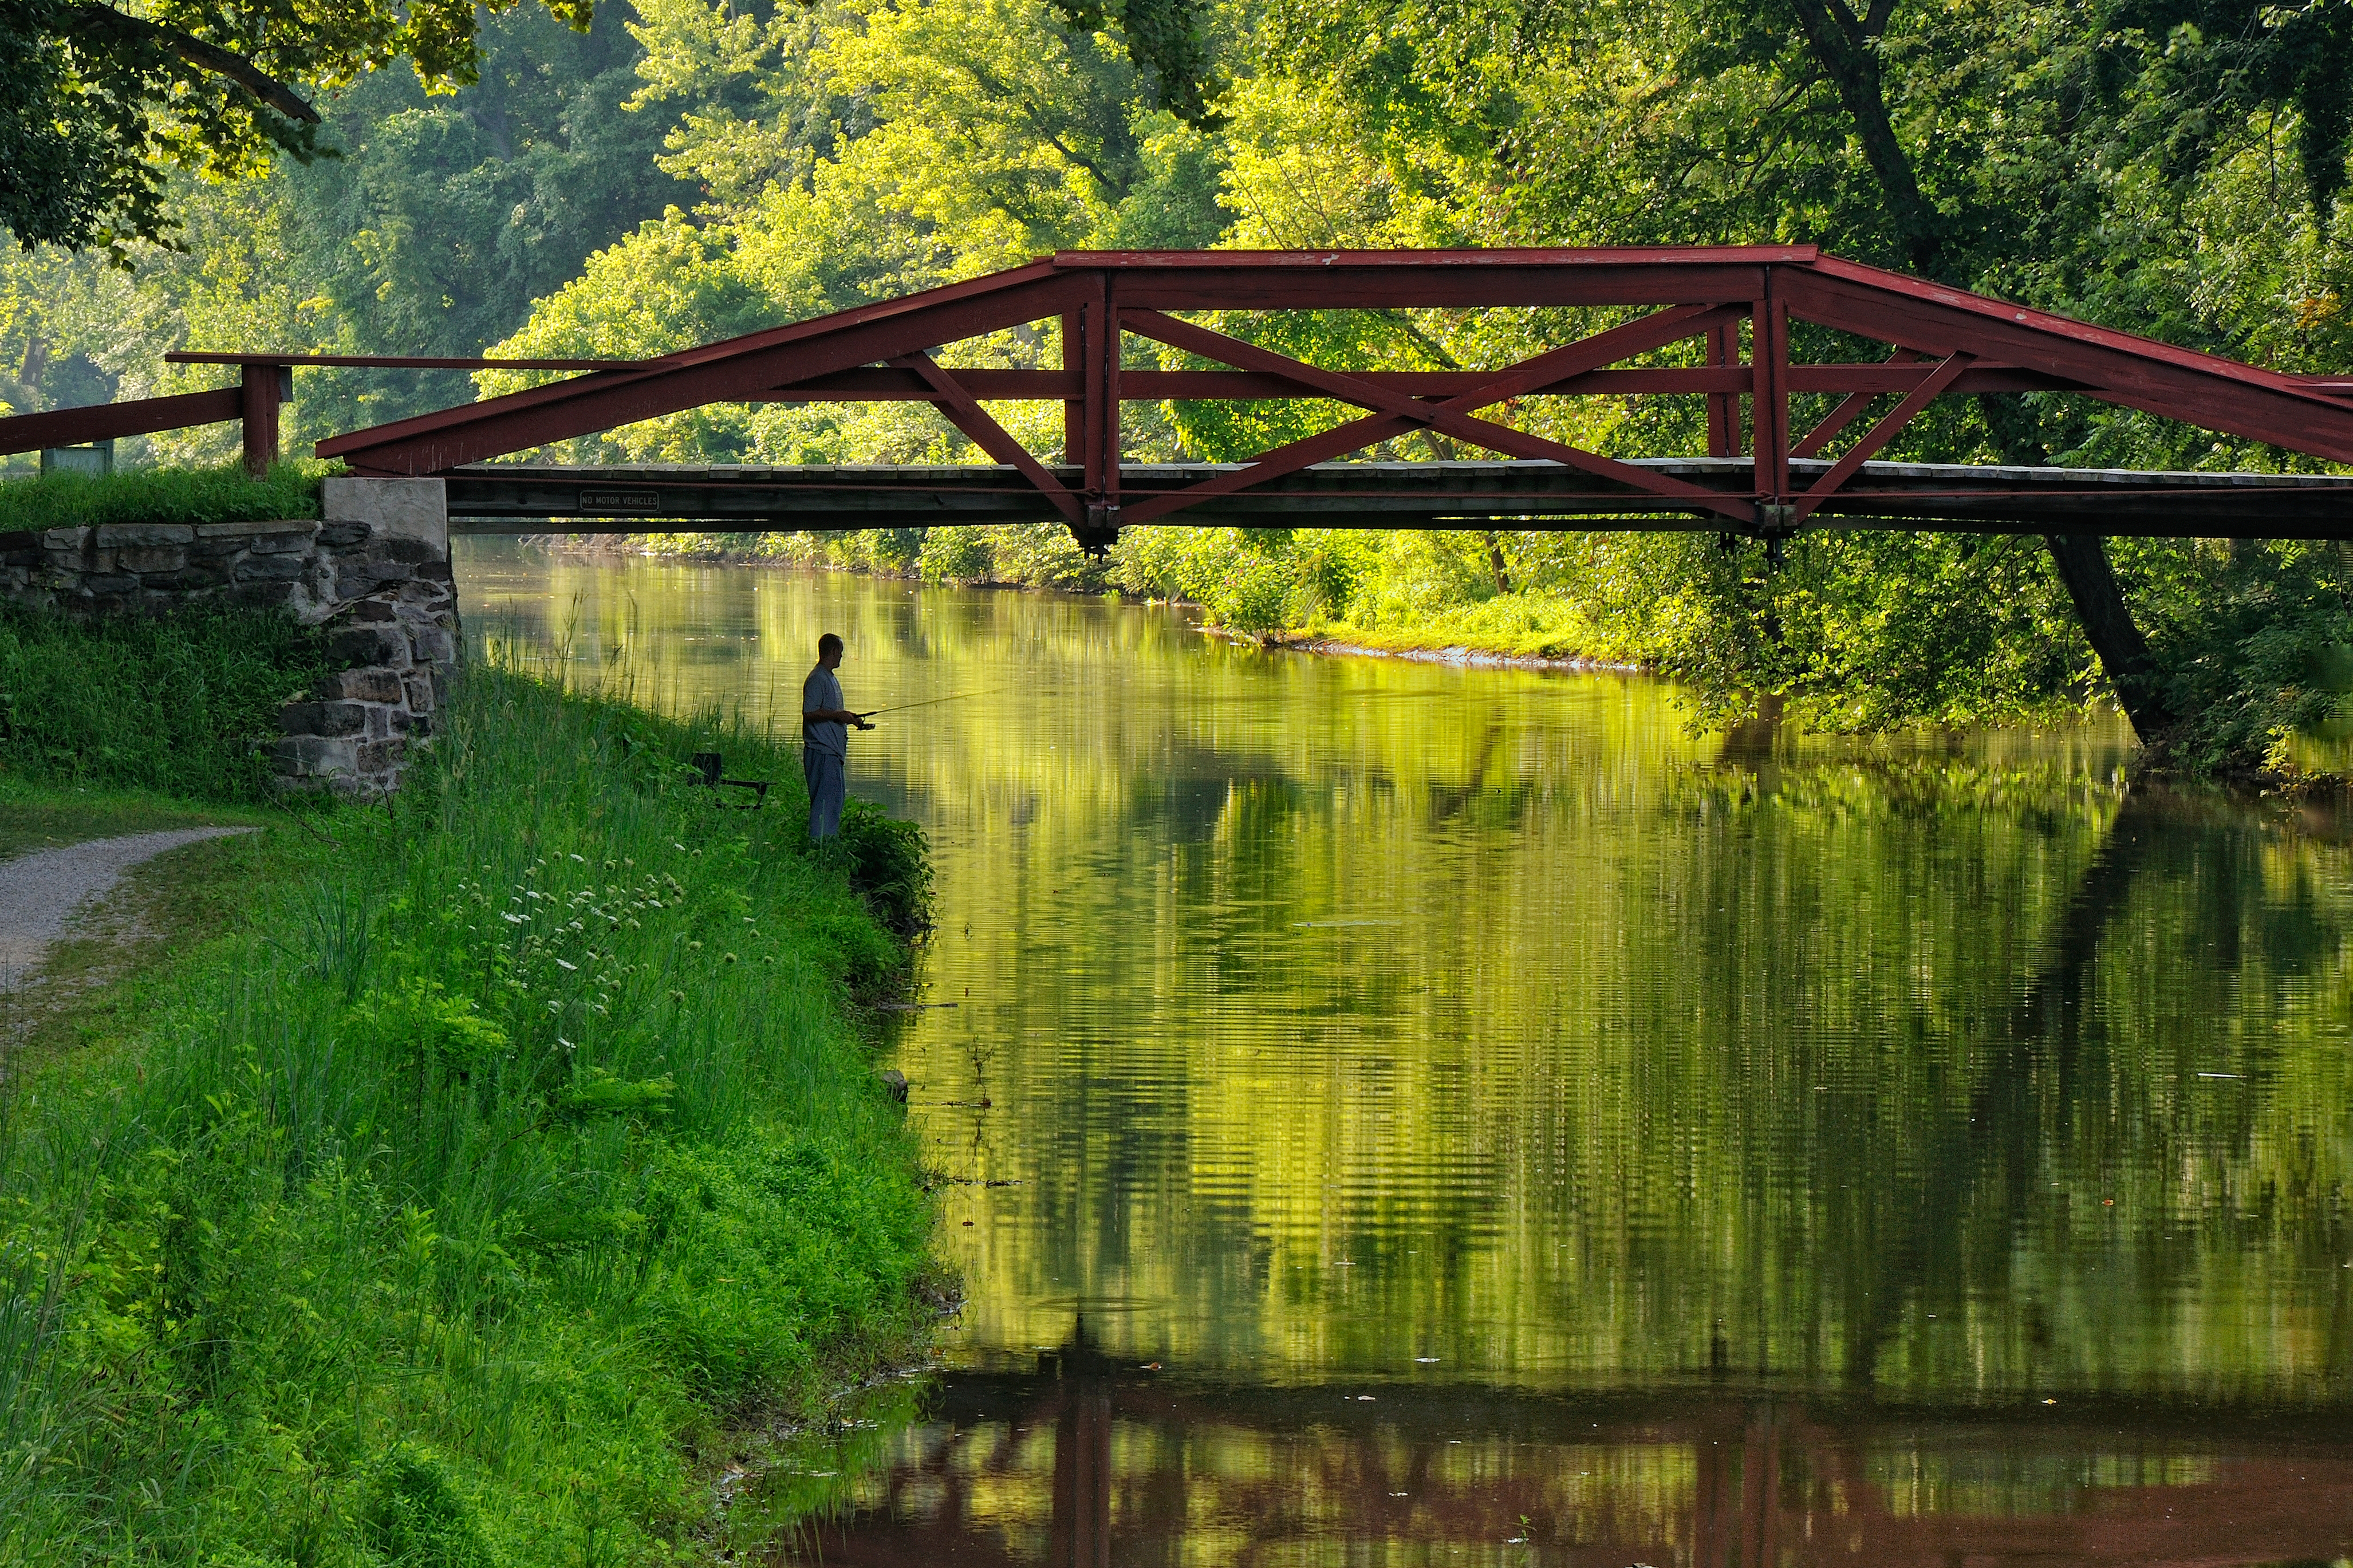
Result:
101,101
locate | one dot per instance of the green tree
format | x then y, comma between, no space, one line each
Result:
443,218
2049,153
96,102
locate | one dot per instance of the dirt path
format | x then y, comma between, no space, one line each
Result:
41,892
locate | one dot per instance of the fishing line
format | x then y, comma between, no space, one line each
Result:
905,708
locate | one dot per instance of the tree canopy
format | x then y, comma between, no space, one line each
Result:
98,99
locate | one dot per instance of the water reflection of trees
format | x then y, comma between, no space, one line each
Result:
1344,1012
1821,1078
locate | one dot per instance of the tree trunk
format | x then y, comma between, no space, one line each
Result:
1495,561
1845,47
2083,563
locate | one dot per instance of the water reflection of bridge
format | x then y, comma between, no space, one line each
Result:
1091,1464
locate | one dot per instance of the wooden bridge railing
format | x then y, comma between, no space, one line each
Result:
265,383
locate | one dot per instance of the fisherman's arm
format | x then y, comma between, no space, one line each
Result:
833,715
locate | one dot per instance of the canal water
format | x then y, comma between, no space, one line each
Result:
1402,1113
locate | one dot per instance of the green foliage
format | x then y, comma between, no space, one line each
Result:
891,863
100,103
218,494
421,1025
442,1215
956,555
184,704
448,214
2248,632
1170,39
2170,167
444,217
415,1517
1869,632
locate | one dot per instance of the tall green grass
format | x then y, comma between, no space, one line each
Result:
184,704
446,1217
222,494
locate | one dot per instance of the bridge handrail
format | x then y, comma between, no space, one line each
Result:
265,382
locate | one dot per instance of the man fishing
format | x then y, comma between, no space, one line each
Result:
825,739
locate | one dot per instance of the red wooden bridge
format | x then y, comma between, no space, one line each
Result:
1791,443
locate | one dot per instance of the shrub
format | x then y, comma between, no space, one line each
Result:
891,864
416,1519
960,554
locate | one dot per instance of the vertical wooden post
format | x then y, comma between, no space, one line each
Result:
1074,410
258,396
1090,333
1724,407
1108,417
1768,411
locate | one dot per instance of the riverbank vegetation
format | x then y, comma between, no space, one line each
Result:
690,171
509,1159
203,493
181,705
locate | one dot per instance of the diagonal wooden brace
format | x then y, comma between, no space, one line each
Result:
1849,411
969,415
1396,412
1880,434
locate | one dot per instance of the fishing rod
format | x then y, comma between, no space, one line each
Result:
950,697
905,707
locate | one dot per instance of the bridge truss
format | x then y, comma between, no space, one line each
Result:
1727,311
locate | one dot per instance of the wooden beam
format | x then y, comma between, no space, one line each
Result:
1724,406
989,436
1072,387
1933,497
884,384
108,422
258,392
1880,434
2197,389
1845,414
1396,414
1768,407
738,370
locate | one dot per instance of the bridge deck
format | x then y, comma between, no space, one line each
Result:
1470,495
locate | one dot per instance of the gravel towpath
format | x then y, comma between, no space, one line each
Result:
39,892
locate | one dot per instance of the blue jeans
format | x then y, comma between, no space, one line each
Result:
823,770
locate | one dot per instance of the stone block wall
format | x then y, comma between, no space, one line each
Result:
374,570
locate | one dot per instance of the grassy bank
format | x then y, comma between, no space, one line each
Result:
37,816
513,1149
217,494
181,705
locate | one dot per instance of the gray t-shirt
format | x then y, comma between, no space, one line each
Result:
822,690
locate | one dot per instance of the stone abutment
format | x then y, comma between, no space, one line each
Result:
373,570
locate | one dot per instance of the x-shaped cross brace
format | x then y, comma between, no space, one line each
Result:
1395,413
